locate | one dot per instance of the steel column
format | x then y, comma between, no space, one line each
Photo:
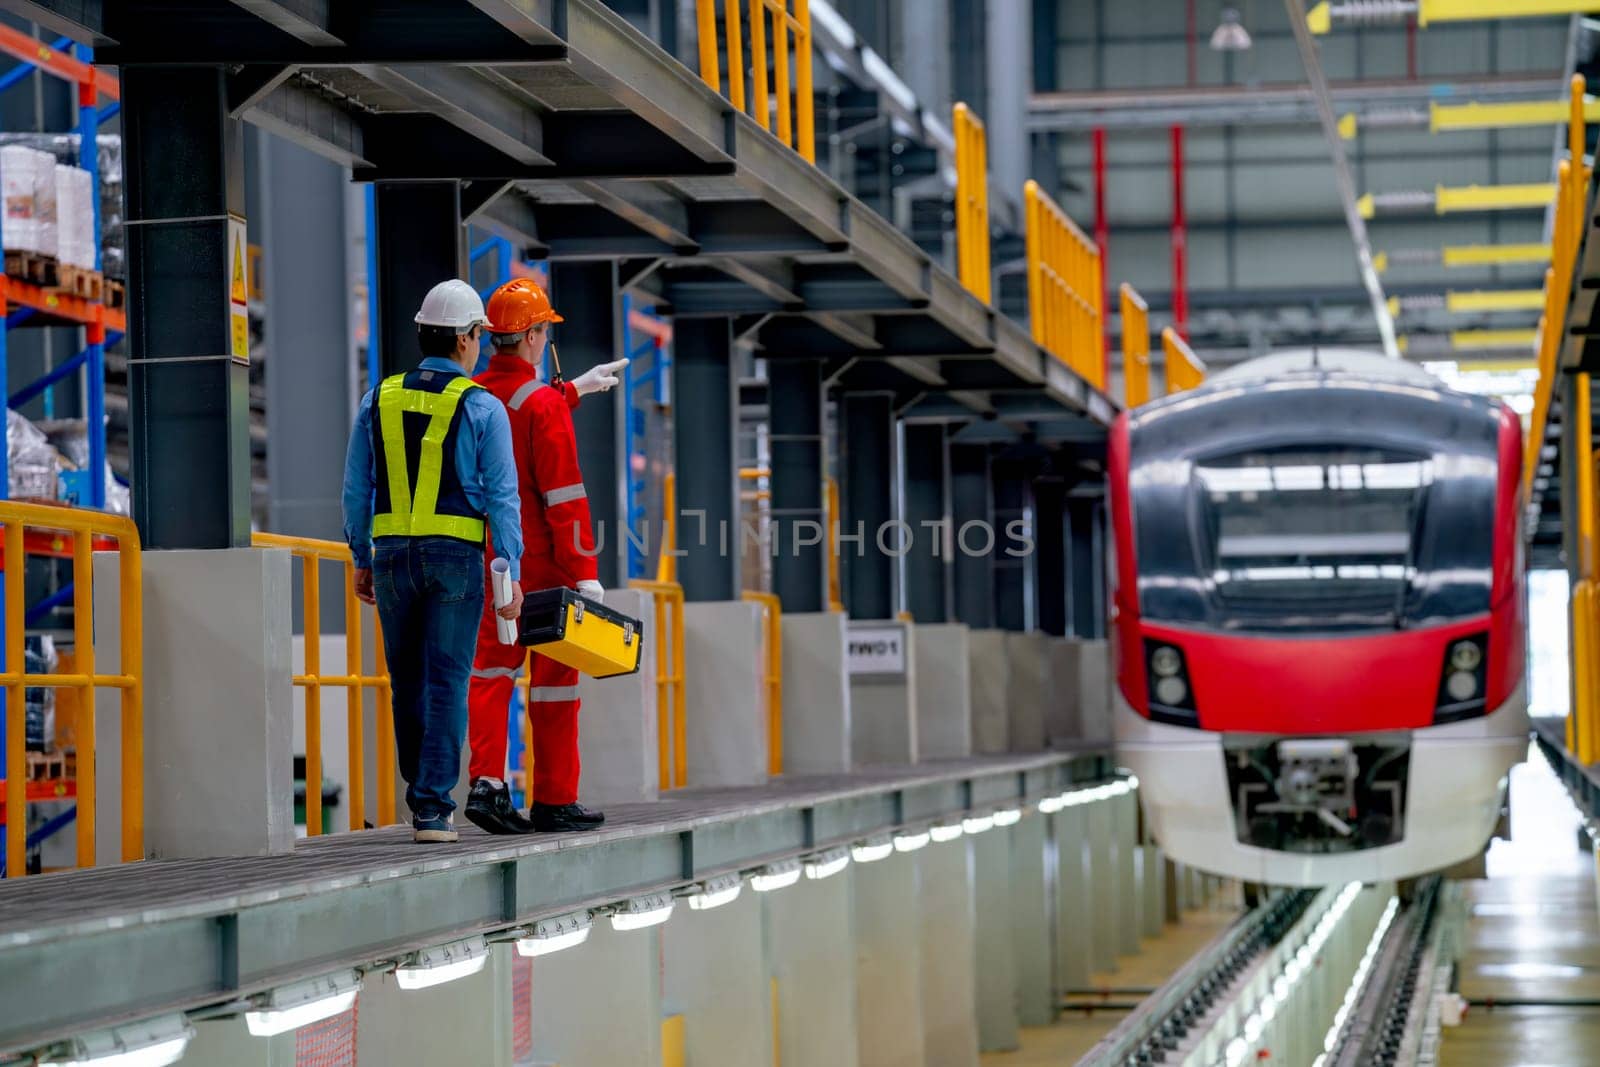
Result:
1085,569
1102,241
1050,550
587,294
866,463
1013,574
972,507
925,569
307,336
189,399
1009,29
705,397
420,242
798,450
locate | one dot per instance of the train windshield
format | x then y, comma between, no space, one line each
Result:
1315,509
1327,530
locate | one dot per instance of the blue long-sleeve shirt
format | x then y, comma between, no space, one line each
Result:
484,462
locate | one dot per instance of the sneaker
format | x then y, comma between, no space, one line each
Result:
563,818
440,829
489,808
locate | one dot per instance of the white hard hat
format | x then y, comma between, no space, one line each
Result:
453,304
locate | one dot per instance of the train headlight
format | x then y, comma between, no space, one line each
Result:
1171,690
1463,680
1461,685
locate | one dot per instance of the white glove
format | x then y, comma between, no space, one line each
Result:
599,378
592,590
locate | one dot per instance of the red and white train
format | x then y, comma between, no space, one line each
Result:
1318,618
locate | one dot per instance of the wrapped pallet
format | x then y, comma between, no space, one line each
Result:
44,201
21,230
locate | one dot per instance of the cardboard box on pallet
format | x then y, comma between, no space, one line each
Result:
21,228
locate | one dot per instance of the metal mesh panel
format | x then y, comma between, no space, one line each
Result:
329,1043
521,1009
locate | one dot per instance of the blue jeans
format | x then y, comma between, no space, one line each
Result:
430,596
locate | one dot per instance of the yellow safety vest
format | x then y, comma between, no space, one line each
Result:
413,503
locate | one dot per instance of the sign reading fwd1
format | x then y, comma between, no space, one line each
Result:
876,650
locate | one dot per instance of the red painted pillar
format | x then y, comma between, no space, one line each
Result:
1180,241
1102,240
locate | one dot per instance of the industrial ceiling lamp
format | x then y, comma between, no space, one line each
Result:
1230,34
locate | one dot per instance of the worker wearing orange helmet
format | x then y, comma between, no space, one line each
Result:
558,550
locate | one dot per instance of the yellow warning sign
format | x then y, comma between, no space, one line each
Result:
237,293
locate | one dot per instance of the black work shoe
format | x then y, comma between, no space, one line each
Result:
564,818
489,809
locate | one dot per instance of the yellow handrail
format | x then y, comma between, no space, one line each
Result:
772,673
1566,235
1185,370
791,29
831,521
84,525
972,202
671,722
1064,289
312,553
1135,347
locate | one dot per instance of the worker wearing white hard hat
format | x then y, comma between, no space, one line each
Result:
429,470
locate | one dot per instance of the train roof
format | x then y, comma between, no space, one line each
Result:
1354,362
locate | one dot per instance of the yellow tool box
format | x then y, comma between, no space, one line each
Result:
581,633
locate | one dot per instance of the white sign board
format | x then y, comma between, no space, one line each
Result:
876,650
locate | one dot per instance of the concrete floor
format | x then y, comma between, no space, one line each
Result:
1533,934
1075,1033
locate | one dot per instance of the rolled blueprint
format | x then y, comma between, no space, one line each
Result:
500,572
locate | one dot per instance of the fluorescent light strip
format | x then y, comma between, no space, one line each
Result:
641,912
945,832
977,824
293,1006
776,876
912,842
553,935
1008,816
872,851
147,1043
443,963
827,864
715,892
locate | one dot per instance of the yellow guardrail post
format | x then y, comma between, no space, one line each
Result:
671,719
83,525
1135,347
312,553
796,122
772,673
667,563
972,202
1065,302
1185,370
835,590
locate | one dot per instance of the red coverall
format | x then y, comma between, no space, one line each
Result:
558,549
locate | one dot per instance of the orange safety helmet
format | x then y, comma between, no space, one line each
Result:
518,306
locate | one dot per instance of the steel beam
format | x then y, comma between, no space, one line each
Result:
705,398
294,113
470,103
1272,104
307,21
189,396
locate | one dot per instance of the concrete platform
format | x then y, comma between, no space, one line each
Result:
143,938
